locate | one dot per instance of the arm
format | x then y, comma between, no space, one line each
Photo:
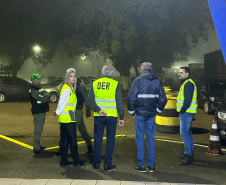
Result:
91,101
162,99
63,101
188,95
132,97
119,102
39,96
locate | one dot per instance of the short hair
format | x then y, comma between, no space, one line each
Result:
66,80
108,71
146,65
187,70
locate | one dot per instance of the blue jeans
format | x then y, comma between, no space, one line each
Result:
143,125
185,132
100,123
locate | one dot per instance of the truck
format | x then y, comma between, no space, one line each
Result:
214,65
197,70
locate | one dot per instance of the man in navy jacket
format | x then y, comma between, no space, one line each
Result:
146,98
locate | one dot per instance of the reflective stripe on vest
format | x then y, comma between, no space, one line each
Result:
104,91
68,114
180,98
148,96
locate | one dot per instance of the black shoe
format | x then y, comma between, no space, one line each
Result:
188,159
151,168
140,168
58,153
79,162
65,163
39,151
90,149
96,166
109,168
183,157
42,148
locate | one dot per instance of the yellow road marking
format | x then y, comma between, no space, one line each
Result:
50,148
17,142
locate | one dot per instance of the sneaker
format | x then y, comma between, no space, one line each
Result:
79,162
140,168
188,159
96,166
183,157
42,147
151,168
109,168
65,163
39,151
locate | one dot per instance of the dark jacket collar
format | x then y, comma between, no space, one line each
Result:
183,80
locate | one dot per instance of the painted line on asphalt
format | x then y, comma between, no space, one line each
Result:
82,142
16,142
49,148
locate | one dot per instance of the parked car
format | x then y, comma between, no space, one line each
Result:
13,88
87,82
210,93
220,116
54,88
51,79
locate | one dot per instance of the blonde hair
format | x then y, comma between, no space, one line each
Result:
67,76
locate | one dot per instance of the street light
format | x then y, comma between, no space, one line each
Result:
37,49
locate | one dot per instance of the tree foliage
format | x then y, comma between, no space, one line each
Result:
131,31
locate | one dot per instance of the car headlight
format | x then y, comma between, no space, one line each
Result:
211,98
221,115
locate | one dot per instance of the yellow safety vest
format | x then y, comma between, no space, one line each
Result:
104,91
180,98
68,114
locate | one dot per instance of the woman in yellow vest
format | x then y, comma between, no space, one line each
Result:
66,116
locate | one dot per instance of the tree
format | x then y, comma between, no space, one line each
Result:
132,31
34,22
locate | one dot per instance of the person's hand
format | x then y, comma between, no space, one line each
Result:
55,115
102,113
121,123
133,115
88,114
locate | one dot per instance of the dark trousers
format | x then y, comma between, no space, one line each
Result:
99,125
39,120
68,136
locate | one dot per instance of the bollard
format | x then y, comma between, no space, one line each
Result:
168,121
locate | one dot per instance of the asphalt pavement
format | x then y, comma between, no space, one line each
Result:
18,161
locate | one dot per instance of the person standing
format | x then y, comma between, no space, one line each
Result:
187,107
82,94
66,116
39,101
105,99
146,98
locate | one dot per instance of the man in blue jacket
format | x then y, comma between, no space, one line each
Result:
146,98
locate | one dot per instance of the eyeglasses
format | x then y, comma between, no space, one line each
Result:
71,70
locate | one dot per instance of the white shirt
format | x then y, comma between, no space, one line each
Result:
63,101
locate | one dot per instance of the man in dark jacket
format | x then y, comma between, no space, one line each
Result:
39,101
146,98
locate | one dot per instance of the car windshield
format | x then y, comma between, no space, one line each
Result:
217,85
56,83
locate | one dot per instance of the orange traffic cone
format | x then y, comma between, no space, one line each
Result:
214,147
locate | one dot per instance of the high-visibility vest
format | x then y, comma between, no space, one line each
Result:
104,91
180,98
68,114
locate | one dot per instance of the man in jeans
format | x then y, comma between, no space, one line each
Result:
187,107
146,98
